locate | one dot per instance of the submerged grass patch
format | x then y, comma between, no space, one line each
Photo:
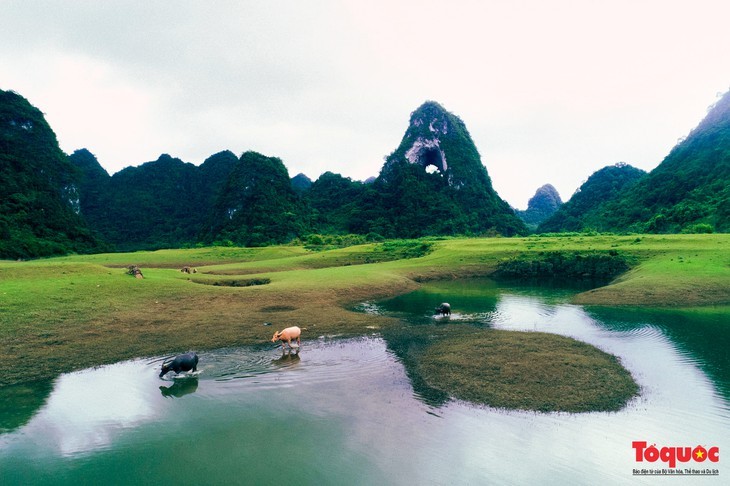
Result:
526,370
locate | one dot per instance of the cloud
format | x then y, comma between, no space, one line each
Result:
550,91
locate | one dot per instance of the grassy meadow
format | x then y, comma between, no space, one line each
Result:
62,314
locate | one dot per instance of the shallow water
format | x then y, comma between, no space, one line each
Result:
347,411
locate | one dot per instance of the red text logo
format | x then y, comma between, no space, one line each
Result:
672,455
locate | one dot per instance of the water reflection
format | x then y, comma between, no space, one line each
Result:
701,338
407,344
180,388
679,349
18,403
287,360
87,409
354,411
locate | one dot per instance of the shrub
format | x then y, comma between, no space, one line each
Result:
703,228
575,265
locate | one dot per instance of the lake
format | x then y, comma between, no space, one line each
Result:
349,411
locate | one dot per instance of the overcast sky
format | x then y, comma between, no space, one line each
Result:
551,91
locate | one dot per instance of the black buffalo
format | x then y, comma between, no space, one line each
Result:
182,362
444,309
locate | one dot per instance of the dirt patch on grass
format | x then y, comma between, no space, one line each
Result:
526,370
236,282
278,308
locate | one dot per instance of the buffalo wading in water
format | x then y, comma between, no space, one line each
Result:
182,362
443,309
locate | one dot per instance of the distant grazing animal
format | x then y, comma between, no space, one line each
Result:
182,362
287,335
444,309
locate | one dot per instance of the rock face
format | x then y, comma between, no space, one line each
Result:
435,183
541,206
429,126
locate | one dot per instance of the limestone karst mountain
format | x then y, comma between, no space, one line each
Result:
301,183
689,191
435,183
541,206
256,206
39,196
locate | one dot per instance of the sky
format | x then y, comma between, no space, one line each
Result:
550,91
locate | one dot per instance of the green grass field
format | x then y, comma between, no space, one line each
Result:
62,314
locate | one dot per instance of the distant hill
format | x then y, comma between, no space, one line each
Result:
586,209
256,206
331,201
159,204
39,198
434,183
301,183
541,206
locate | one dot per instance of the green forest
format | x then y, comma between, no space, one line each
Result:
433,184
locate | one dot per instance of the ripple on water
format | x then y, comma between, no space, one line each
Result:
322,360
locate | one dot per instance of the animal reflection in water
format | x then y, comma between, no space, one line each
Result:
286,337
180,387
287,360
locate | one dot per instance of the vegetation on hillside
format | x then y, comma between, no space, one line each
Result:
159,204
434,183
586,209
689,192
257,206
39,199
331,201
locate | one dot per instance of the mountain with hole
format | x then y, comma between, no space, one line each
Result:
434,183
